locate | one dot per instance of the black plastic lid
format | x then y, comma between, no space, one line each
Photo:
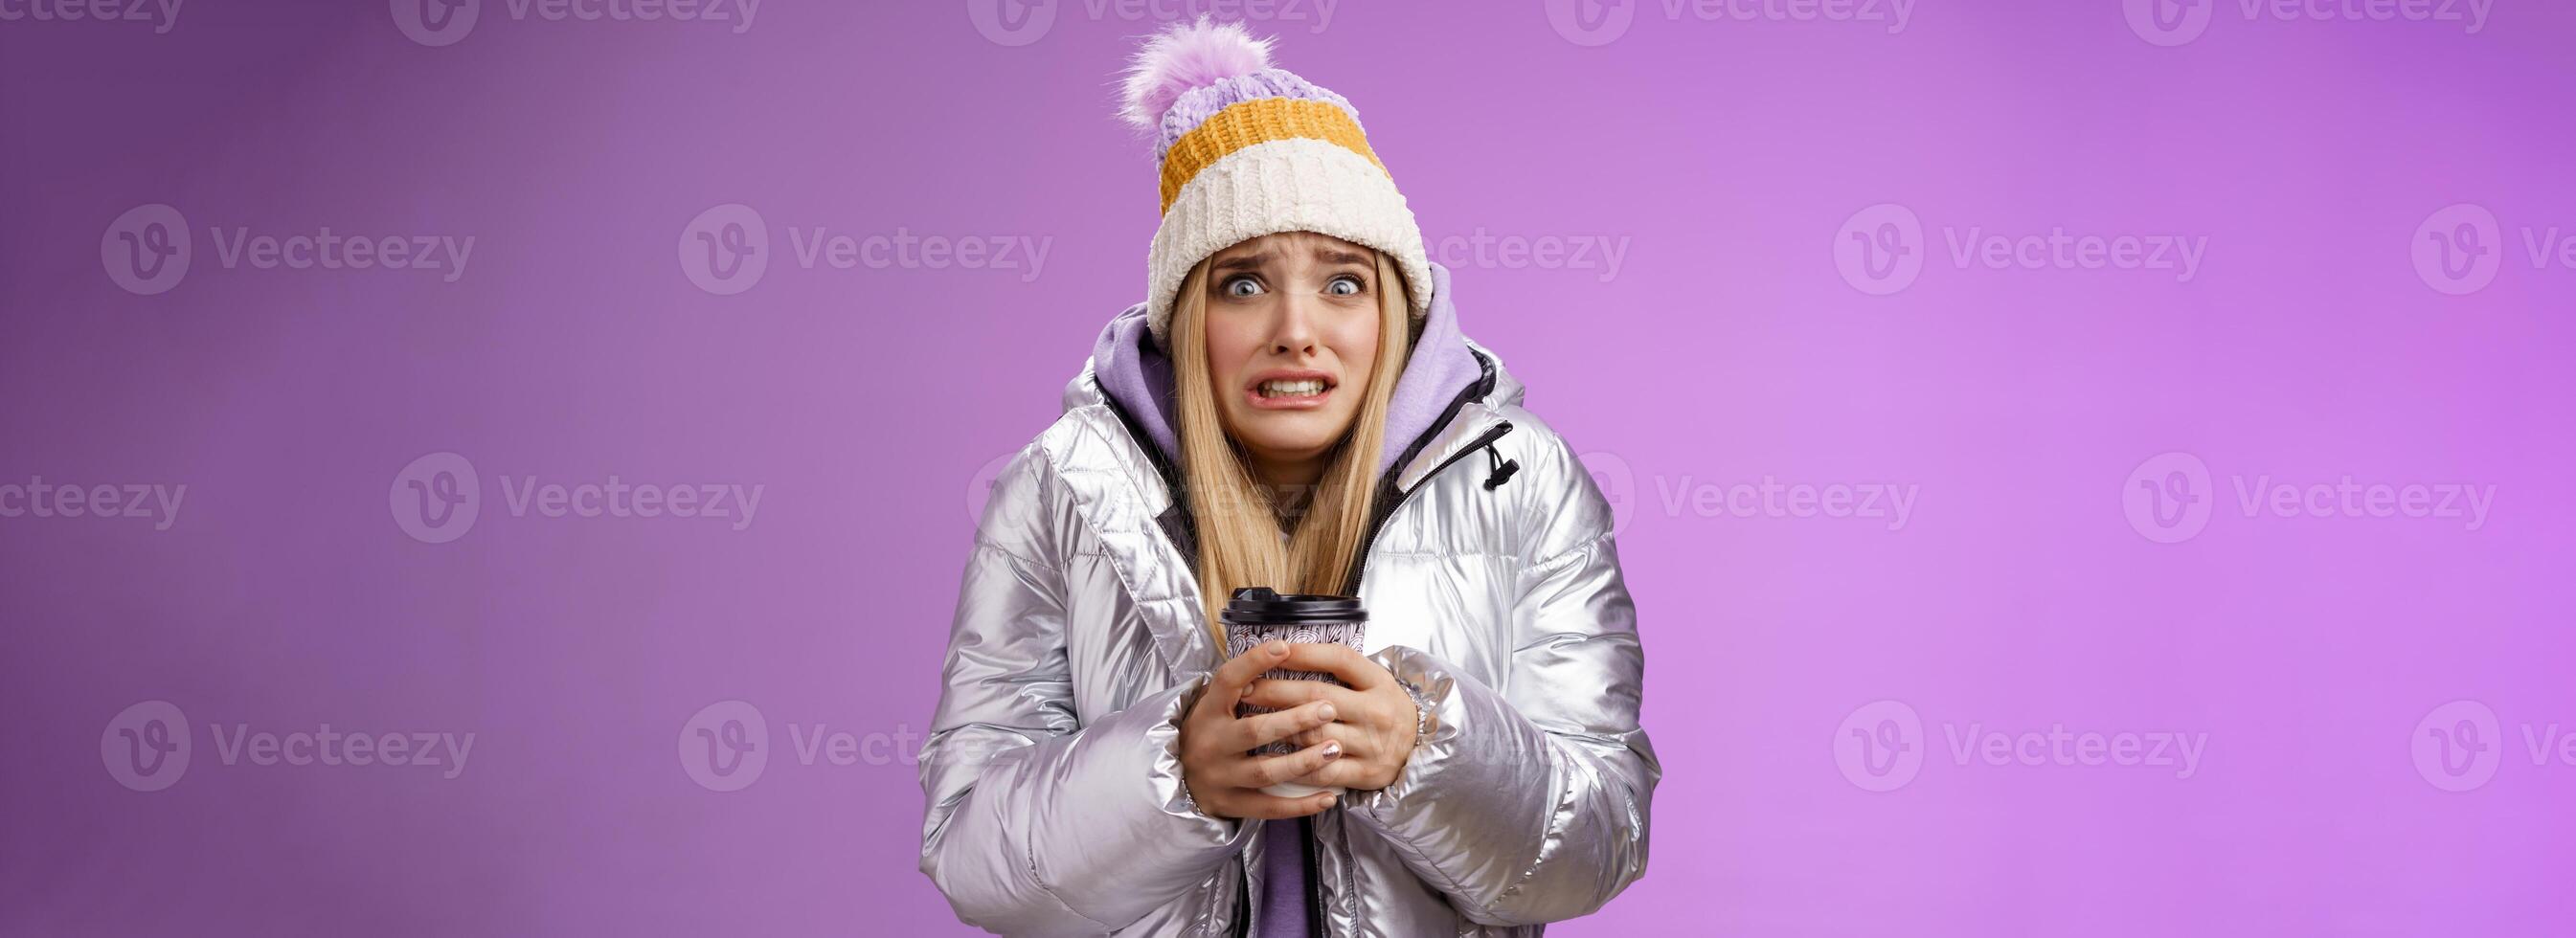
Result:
1261,605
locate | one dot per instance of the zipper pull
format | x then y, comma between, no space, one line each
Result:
1501,469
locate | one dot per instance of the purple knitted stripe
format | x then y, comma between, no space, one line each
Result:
1198,104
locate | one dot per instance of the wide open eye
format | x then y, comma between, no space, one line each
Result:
1240,288
1345,285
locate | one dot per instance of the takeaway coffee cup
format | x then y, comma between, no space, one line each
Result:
1259,614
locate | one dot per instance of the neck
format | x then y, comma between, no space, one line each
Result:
1288,475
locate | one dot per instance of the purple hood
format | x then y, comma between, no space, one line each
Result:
1138,376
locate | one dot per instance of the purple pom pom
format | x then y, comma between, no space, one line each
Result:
1186,56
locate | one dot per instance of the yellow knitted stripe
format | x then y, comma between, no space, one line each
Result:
1260,120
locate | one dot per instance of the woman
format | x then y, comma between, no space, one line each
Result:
1293,406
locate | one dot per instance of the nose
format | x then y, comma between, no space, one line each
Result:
1292,330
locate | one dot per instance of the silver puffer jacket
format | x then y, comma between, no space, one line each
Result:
1055,802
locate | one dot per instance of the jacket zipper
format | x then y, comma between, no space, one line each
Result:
1389,498
1359,565
1317,923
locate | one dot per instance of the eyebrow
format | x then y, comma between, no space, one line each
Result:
1252,261
1259,259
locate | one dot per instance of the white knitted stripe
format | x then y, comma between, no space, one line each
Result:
1283,185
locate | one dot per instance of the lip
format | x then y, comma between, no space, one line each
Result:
1252,389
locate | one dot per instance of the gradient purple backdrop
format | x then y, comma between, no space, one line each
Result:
1731,154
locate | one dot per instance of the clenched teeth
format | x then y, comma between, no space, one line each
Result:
1305,388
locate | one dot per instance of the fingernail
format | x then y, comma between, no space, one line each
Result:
1332,749
1325,711
1276,648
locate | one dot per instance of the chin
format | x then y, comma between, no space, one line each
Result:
1291,437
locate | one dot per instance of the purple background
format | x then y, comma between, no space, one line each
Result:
1727,154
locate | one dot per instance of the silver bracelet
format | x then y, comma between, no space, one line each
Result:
1422,720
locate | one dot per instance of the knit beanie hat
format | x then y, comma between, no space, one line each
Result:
1248,150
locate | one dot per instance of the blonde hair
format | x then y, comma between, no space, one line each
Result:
1239,520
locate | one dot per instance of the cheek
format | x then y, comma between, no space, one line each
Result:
1229,346
1355,344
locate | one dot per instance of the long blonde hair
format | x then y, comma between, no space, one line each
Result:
1239,520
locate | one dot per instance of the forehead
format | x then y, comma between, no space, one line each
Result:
1295,246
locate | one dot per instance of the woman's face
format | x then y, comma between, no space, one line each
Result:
1292,336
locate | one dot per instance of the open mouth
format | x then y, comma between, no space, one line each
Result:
1309,387
1292,392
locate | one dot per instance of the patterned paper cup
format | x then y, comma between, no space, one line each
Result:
1260,614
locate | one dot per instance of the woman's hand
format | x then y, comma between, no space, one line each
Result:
1222,776
1375,718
